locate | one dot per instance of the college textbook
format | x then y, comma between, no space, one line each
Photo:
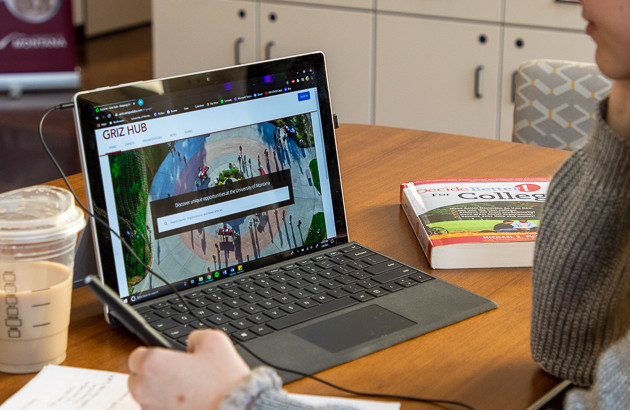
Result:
475,223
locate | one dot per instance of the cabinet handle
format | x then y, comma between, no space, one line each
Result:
268,49
514,74
477,75
237,50
568,1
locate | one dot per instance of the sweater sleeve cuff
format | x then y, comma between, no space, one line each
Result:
244,395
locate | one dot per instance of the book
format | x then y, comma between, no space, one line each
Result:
475,223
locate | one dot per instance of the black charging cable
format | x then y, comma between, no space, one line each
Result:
105,224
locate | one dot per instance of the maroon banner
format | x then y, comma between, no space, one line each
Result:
36,36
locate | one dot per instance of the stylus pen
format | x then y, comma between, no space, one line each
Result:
129,318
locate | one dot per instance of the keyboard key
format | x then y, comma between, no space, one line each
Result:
421,277
360,274
392,287
362,297
291,308
377,292
217,320
268,293
326,264
328,274
235,314
343,269
300,293
307,303
394,274
338,293
183,318
268,304
330,284
374,259
241,324
367,283
243,335
165,312
178,332
383,267
406,282
164,324
275,313
258,318
252,298
251,309
315,289
358,254
284,299
261,330
323,298
234,303
353,288
227,328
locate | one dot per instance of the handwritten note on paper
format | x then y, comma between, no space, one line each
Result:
68,388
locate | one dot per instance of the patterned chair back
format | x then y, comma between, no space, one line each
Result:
555,102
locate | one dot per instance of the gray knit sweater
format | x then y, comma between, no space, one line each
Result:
581,275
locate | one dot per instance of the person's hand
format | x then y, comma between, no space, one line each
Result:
168,379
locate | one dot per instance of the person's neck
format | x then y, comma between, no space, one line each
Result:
618,112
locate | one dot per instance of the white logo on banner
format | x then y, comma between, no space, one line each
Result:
20,41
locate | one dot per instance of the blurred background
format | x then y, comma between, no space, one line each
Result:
107,51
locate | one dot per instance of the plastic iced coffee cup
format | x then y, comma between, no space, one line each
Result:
38,232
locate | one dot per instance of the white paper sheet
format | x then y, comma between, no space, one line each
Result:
71,388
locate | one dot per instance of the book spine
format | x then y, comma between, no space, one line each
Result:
416,224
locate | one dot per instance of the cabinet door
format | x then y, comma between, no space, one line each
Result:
361,4
437,75
197,35
545,13
522,44
486,10
345,38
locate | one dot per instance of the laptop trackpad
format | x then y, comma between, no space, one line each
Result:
353,328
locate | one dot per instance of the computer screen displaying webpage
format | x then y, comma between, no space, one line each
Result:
206,192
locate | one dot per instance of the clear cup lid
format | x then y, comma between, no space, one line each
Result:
37,214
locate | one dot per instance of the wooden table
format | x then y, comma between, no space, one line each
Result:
483,361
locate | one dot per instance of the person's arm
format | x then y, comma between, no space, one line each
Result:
612,382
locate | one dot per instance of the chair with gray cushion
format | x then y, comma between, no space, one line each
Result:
555,102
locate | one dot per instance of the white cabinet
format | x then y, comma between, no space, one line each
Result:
198,35
345,37
545,13
444,83
442,65
216,33
485,10
426,51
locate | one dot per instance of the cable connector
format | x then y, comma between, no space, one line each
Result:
63,106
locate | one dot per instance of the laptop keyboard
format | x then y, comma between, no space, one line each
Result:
261,303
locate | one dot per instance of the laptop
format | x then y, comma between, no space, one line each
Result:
226,184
